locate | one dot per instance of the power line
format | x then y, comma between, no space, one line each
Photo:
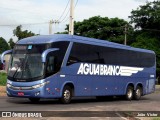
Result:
64,10
24,24
26,11
64,19
65,16
76,4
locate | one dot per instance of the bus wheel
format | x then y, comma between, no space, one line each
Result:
66,95
129,93
34,100
138,93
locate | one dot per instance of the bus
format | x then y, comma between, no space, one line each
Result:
65,66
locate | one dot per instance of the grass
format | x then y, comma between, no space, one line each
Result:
3,78
157,118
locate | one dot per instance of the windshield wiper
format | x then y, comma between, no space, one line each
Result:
16,71
25,67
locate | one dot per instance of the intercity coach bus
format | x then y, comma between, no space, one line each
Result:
65,66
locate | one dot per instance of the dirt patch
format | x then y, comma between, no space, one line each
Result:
2,90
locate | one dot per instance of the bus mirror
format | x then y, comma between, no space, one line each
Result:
3,54
45,53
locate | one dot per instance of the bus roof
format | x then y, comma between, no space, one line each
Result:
41,39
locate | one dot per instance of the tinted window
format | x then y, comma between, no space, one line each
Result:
63,45
29,49
106,55
53,66
84,53
127,57
55,58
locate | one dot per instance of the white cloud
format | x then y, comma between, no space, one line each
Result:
37,11
109,8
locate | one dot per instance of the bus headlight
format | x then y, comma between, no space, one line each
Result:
8,85
40,85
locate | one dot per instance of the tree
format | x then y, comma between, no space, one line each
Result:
144,40
147,16
22,34
3,45
147,24
11,43
105,28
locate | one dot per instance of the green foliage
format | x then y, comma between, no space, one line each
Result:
22,34
3,45
156,118
102,28
144,40
65,32
11,43
3,78
147,16
147,19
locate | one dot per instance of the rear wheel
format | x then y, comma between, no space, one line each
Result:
34,100
138,93
129,93
66,95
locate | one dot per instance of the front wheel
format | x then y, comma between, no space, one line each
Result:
138,93
66,95
129,93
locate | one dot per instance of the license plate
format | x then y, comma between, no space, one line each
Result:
20,94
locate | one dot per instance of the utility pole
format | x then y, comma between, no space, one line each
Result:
125,35
71,22
51,22
50,26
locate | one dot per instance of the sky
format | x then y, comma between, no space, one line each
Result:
34,15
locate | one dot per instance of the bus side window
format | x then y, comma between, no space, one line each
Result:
72,60
50,66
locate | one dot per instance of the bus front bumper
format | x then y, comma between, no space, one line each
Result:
34,93
38,90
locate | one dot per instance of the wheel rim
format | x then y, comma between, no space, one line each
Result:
67,95
129,94
138,93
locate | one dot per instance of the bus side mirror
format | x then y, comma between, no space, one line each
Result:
3,54
45,53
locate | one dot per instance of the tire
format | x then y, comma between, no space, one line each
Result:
138,93
129,93
34,100
66,95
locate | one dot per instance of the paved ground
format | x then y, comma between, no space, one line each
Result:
147,103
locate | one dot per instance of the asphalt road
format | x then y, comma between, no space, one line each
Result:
149,102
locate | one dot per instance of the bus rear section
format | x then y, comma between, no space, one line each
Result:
110,70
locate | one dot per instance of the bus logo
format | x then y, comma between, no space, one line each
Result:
112,70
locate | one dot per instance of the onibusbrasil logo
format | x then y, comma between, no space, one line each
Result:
111,70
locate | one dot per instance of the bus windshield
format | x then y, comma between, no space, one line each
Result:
26,62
